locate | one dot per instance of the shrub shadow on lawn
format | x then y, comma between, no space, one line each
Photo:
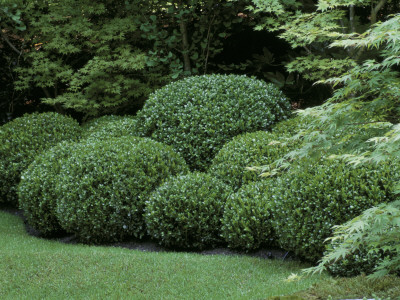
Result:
149,245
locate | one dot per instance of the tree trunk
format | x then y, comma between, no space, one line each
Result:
185,47
351,17
374,10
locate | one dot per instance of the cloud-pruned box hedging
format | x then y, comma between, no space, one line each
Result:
109,126
199,114
37,194
248,150
24,138
247,220
103,185
186,211
292,126
318,194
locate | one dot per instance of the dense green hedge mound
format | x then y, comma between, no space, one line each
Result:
186,211
103,186
199,114
250,149
100,121
344,140
24,138
292,125
246,223
319,194
37,195
109,127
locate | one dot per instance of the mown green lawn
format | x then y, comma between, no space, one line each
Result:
32,268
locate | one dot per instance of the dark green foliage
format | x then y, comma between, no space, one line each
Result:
186,211
292,126
103,186
90,57
94,124
247,217
36,191
196,33
24,138
199,114
108,127
359,262
376,230
318,194
12,27
248,150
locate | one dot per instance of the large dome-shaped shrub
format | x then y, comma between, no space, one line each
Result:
318,194
186,211
37,195
24,138
247,220
198,115
250,149
109,126
103,186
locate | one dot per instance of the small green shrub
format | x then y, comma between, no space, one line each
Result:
109,127
291,126
103,185
199,114
374,234
24,138
100,121
318,194
354,264
248,150
36,191
246,223
186,211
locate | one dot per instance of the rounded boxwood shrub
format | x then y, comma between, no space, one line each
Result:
109,127
250,149
24,138
246,223
199,114
318,194
186,211
292,125
103,185
36,191
100,121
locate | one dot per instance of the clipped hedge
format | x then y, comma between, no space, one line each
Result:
318,194
109,126
37,194
199,114
247,220
292,126
250,149
186,211
103,186
24,138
